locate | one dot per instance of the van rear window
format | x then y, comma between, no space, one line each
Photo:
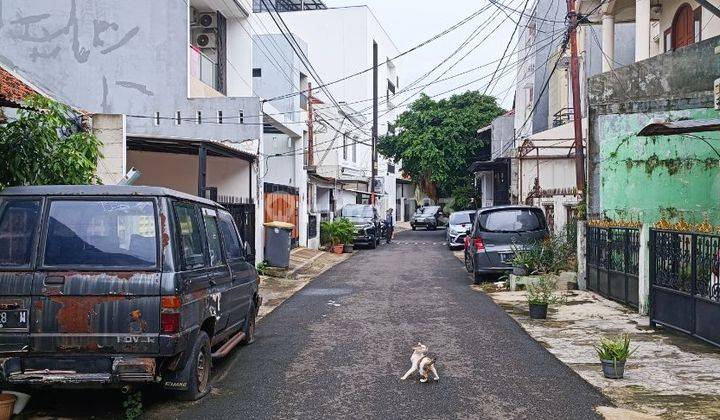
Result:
512,220
18,222
101,234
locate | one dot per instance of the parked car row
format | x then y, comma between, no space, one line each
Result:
116,286
490,236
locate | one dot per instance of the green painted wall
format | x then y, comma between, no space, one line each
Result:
647,178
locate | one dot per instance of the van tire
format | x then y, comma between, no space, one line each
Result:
249,327
197,369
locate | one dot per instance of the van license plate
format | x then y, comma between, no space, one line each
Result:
16,319
507,257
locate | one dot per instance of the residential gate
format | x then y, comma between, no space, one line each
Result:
684,283
244,215
612,262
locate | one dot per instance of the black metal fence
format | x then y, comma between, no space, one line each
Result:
613,263
244,215
684,283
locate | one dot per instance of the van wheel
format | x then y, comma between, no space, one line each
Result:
198,369
249,327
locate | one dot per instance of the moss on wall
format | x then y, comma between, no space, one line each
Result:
647,178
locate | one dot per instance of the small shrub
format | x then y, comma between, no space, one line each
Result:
262,268
616,349
133,405
337,232
543,293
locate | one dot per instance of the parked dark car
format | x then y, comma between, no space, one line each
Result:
496,233
112,286
429,217
459,224
367,221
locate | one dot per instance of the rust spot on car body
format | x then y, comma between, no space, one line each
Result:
164,230
77,313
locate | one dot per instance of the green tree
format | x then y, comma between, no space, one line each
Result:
47,144
437,141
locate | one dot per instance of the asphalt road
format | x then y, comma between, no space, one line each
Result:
339,347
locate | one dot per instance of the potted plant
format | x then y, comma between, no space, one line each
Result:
613,353
337,233
540,295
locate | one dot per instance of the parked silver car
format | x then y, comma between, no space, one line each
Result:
496,233
459,225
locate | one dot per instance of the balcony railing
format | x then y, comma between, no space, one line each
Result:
562,117
203,67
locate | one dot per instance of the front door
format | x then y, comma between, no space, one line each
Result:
683,27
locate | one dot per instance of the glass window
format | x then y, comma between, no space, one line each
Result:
233,249
101,234
512,220
18,222
190,238
213,237
460,218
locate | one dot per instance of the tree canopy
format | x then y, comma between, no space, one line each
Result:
47,144
437,141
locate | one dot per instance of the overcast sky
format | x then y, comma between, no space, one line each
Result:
410,22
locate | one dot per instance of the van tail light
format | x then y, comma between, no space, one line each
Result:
479,244
170,315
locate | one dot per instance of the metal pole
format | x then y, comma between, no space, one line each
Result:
311,135
202,169
373,197
577,112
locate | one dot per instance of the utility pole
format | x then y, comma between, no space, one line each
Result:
577,111
311,136
373,197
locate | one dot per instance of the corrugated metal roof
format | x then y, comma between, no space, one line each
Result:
658,127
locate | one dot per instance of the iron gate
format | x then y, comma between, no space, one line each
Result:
684,283
612,263
244,216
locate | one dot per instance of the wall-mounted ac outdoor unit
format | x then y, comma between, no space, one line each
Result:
206,40
207,20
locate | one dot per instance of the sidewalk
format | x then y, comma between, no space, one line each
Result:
670,375
305,265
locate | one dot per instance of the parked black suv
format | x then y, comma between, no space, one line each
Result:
429,217
120,285
367,221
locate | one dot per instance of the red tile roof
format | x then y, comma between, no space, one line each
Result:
13,89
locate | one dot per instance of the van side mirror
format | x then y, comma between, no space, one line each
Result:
247,248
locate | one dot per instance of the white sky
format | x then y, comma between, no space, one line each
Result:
409,22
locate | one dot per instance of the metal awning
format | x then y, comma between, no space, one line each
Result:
658,127
185,147
488,165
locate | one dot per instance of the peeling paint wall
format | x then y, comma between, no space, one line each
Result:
118,57
647,178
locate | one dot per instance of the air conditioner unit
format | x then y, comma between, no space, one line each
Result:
206,40
207,20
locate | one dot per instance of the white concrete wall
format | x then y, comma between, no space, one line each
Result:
239,57
110,130
180,172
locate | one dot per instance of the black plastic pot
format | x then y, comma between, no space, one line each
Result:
613,369
538,310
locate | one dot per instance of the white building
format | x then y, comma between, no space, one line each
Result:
340,43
